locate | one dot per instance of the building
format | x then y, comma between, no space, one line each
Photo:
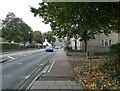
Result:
101,43
72,44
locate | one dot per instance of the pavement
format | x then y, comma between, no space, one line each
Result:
58,76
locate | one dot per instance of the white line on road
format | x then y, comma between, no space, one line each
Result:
11,57
41,64
20,63
51,67
27,77
45,70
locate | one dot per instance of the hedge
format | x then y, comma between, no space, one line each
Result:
112,67
115,51
9,46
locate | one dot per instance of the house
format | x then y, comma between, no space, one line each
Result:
79,44
101,43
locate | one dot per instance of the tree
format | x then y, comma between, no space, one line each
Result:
14,29
82,20
38,37
26,33
49,36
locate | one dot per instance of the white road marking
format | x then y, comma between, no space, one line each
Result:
41,64
20,63
25,55
11,57
48,71
51,67
45,70
27,77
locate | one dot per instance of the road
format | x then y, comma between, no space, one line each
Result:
21,66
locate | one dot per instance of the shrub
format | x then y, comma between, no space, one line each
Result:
115,51
9,46
68,48
111,67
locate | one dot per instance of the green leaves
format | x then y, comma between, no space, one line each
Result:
38,37
82,20
49,36
115,52
14,29
111,67
93,17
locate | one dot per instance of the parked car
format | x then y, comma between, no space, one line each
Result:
49,49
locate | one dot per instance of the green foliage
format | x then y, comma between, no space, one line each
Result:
82,20
68,48
38,37
49,36
112,67
115,51
75,18
9,46
14,29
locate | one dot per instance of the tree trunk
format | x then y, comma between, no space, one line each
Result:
85,45
75,44
85,38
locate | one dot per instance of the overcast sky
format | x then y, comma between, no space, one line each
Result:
22,10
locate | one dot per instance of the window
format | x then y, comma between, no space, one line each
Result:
102,42
106,42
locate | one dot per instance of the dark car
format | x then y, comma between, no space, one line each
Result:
49,49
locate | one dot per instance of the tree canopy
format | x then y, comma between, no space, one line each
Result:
38,37
49,36
15,29
82,20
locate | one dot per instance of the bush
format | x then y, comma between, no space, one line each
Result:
112,67
68,48
9,46
115,51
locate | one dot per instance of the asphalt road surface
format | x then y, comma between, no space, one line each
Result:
21,66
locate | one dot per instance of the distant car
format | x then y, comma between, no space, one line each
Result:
49,49
56,47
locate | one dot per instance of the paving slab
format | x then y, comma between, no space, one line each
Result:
42,87
49,83
56,85
60,83
39,83
70,83
65,87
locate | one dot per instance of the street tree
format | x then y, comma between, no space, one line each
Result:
38,37
15,29
84,20
49,36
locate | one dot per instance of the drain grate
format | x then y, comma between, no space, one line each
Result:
55,78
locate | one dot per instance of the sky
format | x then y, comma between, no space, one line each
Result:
21,8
